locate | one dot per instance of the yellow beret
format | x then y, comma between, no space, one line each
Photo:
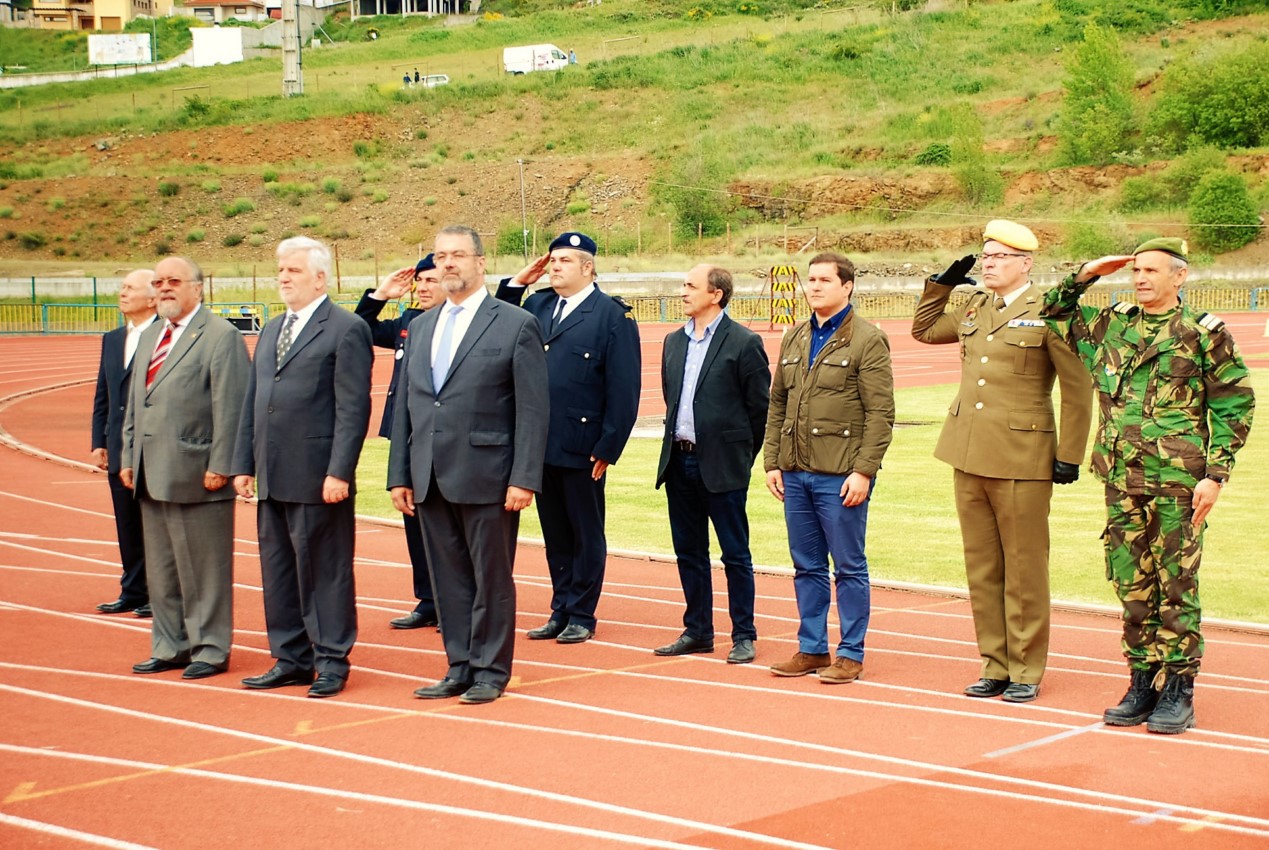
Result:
1010,233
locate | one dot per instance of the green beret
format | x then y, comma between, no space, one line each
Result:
1168,245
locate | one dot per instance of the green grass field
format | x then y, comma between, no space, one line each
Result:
913,531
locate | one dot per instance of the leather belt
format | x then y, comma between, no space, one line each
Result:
685,446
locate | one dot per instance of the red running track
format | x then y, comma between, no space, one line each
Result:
597,745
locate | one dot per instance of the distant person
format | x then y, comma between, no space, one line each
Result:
468,436
416,76
830,422
405,81
1006,450
572,57
118,350
715,381
177,455
592,361
423,282
1176,406
299,441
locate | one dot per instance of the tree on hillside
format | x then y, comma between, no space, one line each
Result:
1222,214
1222,100
980,183
1097,115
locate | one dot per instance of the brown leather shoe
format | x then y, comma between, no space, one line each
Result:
843,670
801,663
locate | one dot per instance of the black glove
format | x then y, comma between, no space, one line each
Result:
1065,473
954,275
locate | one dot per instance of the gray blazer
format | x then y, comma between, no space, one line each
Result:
486,429
186,424
307,418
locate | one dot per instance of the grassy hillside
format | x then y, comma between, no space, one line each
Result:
683,118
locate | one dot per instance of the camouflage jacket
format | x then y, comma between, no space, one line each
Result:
1176,403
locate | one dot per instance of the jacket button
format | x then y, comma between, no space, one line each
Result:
436,404
270,408
846,433
982,382
815,430
845,362
990,337
276,379
784,361
583,418
586,355
978,406
546,347
983,360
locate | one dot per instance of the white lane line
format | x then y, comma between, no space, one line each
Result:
1039,742
49,504
322,790
75,834
566,799
1139,806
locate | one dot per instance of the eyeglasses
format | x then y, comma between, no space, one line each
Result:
999,258
168,281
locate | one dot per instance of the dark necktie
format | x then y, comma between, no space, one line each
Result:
285,340
558,317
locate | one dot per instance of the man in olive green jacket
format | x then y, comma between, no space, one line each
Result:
1003,441
828,426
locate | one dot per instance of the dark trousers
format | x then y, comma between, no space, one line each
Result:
571,510
419,568
131,541
692,509
472,549
310,596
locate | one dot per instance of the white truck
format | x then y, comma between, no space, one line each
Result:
533,57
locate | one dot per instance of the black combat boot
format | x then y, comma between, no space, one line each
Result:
1175,711
1140,700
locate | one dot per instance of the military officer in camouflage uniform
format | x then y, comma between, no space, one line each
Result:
1176,405
1002,439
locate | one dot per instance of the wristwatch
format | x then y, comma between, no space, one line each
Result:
1220,482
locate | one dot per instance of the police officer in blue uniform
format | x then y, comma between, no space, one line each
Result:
592,357
423,283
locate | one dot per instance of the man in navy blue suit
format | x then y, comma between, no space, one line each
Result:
423,282
592,357
118,348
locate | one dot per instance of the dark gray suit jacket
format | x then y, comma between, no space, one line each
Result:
186,424
307,418
486,429
729,407
110,402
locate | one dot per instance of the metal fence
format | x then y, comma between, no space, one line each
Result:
250,316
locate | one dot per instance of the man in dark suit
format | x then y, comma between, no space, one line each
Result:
716,383
423,282
118,347
177,453
592,355
303,424
467,448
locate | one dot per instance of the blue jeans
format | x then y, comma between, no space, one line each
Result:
820,526
692,509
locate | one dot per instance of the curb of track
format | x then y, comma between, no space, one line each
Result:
14,443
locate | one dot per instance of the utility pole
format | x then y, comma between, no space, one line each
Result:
292,62
524,219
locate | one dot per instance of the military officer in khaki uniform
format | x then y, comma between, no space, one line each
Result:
1007,449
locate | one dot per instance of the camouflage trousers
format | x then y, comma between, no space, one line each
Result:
1152,557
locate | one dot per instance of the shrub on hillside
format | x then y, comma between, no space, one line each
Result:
937,153
1222,100
237,206
512,239
1222,214
232,240
168,189
979,182
1097,105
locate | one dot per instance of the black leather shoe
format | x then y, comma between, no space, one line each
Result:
160,665
575,634
987,688
481,692
327,685
413,620
1018,692
201,670
144,611
119,606
443,689
550,631
741,652
279,678
685,645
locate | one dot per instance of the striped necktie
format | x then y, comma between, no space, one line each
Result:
160,354
284,341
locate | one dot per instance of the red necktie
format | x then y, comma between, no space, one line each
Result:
160,354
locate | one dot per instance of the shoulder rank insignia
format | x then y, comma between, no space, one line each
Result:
621,302
1212,323
1125,308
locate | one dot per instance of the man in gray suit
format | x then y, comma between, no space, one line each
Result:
468,442
303,423
178,443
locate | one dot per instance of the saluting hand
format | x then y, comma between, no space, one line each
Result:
529,275
397,284
1102,267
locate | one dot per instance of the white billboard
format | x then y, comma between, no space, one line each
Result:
131,48
216,45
